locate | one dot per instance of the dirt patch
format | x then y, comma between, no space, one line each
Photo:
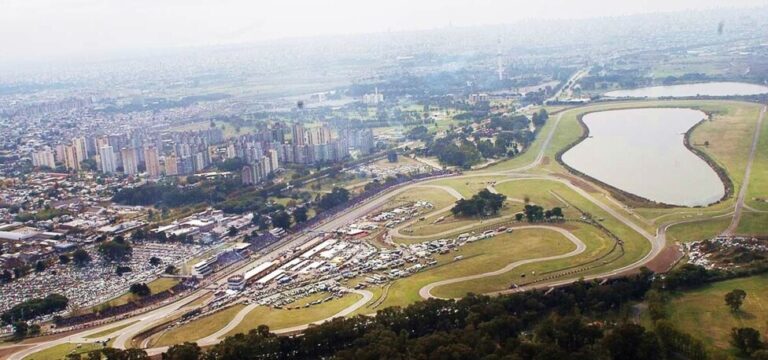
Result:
665,260
579,182
545,160
8,351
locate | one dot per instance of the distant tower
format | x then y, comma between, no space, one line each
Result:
499,67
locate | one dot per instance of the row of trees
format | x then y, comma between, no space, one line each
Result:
536,213
33,308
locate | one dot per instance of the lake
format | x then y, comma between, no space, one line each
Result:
641,151
687,90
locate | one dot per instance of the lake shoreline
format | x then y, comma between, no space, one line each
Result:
638,201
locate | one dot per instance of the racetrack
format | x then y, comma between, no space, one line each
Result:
657,243
426,291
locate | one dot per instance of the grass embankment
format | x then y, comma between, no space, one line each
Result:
61,351
198,328
278,319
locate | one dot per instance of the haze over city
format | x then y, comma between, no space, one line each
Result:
47,30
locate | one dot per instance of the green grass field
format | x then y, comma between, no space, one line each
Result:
699,230
438,197
753,224
479,257
283,318
198,328
757,195
597,244
703,313
158,285
469,186
59,352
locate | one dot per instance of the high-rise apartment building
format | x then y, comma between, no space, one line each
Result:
130,161
108,159
152,161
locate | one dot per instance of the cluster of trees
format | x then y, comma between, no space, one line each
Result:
535,213
419,133
118,249
513,123
337,196
456,152
33,308
21,329
484,203
170,195
234,164
540,118
140,289
80,257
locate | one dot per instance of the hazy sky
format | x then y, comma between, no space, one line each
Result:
47,29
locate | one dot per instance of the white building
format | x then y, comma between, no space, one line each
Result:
43,158
130,162
108,160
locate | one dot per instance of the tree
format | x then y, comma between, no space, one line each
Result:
483,203
185,351
120,270
170,270
39,266
20,329
519,216
735,298
533,213
138,235
631,342
140,289
6,276
64,259
337,196
34,330
300,214
116,250
81,257
746,340
281,219
154,261
232,231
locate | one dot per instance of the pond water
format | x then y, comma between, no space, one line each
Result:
687,90
641,151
